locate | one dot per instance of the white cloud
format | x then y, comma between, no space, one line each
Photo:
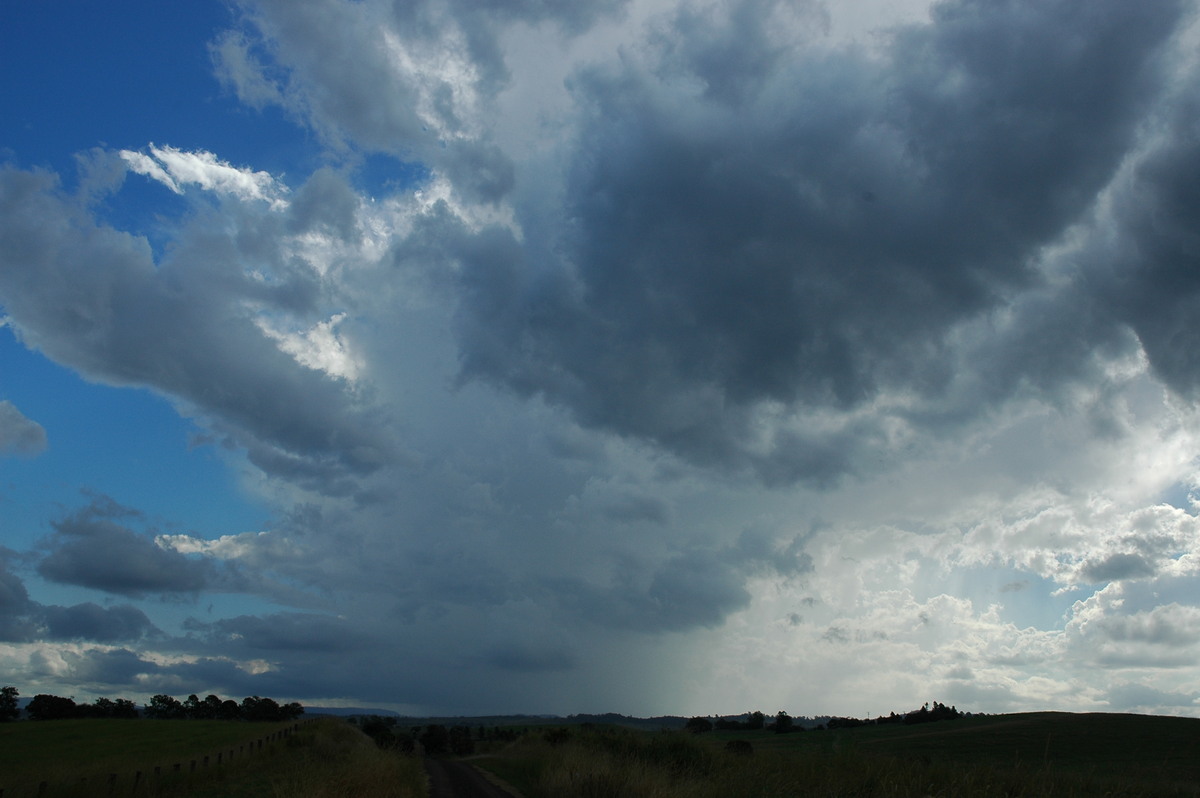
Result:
176,168
319,347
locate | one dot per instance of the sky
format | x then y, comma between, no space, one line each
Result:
639,356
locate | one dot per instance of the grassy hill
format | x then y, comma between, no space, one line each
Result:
1015,756
1036,754
324,757
1134,746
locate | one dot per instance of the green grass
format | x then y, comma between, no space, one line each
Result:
323,759
1014,756
56,751
1106,745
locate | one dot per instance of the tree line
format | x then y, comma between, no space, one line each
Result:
435,739
161,707
783,723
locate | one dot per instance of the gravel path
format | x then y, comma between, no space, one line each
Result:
452,779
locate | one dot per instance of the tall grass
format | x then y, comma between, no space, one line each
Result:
618,763
342,762
326,758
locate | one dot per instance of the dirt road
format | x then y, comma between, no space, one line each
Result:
452,779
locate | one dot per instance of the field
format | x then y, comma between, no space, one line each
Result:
1040,754
1014,756
321,759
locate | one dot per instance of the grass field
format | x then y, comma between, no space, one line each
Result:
326,758
1040,754
1034,755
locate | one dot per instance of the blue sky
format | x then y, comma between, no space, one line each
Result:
649,356
115,441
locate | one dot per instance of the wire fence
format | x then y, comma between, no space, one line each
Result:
146,782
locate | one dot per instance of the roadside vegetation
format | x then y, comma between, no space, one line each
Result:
323,758
1016,756
930,753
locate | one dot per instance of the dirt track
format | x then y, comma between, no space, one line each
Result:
449,778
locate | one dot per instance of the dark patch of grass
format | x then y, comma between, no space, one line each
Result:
1157,748
326,758
1014,756
71,751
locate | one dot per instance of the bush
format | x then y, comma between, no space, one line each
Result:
9,709
51,707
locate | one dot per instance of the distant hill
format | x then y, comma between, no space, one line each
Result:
344,712
609,719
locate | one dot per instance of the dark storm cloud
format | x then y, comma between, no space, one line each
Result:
17,611
89,621
809,235
1151,278
297,678
629,507
117,667
525,658
285,631
91,548
689,590
93,298
23,620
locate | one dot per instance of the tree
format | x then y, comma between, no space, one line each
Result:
756,720
9,709
51,707
783,722
698,725
124,708
435,739
211,707
375,728
461,743
265,709
164,707
100,708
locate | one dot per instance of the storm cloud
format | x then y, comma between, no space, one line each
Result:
641,356
92,548
813,241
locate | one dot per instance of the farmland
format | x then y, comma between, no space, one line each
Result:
1016,756
1037,754
325,757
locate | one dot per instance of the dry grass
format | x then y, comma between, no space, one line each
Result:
342,762
618,763
326,758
